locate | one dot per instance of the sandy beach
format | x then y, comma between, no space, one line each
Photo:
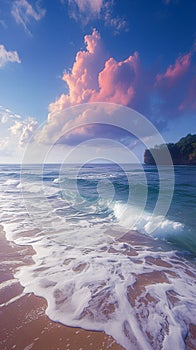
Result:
24,324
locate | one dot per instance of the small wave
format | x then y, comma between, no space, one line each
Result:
8,283
58,180
136,219
12,182
12,300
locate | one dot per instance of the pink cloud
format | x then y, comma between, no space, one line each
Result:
176,71
96,78
83,77
176,88
117,81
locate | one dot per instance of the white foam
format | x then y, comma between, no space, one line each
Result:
133,218
12,300
57,180
79,281
12,182
8,283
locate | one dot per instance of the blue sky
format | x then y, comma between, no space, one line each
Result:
60,53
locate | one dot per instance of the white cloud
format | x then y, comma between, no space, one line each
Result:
15,134
8,56
23,12
24,130
6,115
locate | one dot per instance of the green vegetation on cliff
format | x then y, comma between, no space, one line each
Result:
182,152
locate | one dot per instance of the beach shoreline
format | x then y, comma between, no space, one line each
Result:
24,323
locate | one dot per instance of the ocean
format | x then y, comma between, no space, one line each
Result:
105,259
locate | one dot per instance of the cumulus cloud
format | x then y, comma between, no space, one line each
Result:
92,121
117,81
8,56
82,79
24,130
23,12
15,133
96,77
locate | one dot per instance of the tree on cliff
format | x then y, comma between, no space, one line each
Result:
182,152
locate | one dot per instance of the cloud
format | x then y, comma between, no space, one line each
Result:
85,10
176,86
117,81
66,126
92,121
175,72
16,133
116,22
96,78
8,56
82,79
23,12
24,130
94,131
88,10
6,115
84,6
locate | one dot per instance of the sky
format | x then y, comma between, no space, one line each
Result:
73,55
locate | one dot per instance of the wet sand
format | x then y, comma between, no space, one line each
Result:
25,326
23,322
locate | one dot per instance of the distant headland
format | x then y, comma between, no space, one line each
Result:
182,152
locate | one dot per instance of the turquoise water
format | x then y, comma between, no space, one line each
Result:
94,184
